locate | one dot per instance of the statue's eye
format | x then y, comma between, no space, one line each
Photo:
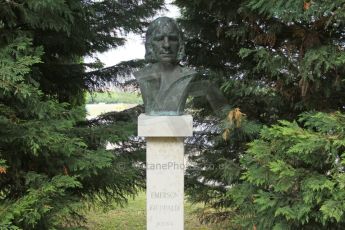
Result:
173,38
158,38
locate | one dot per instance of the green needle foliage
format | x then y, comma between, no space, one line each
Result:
35,145
51,159
294,177
273,60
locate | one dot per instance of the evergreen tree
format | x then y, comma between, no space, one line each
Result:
51,159
294,177
273,60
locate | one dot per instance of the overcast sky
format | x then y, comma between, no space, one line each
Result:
134,47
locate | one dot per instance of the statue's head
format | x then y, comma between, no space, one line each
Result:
164,41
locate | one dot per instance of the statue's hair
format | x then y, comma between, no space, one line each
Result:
157,23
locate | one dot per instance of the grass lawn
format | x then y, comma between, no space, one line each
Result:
94,110
133,217
112,97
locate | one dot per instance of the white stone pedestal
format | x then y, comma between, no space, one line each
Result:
165,169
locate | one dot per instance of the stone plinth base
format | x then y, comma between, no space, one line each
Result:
165,169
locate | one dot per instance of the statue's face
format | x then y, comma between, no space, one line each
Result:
165,43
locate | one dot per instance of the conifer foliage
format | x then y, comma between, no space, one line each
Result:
51,160
294,177
274,60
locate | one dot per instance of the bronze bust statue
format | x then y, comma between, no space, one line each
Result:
164,83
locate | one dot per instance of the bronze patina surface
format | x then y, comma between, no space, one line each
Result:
164,83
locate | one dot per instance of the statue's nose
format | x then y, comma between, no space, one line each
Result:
166,42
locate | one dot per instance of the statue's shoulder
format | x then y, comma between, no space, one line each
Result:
186,71
147,72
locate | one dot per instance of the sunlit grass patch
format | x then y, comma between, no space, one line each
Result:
133,217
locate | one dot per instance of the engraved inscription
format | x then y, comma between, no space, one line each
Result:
165,224
164,195
165,207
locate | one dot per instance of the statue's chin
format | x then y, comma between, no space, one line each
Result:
168,59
